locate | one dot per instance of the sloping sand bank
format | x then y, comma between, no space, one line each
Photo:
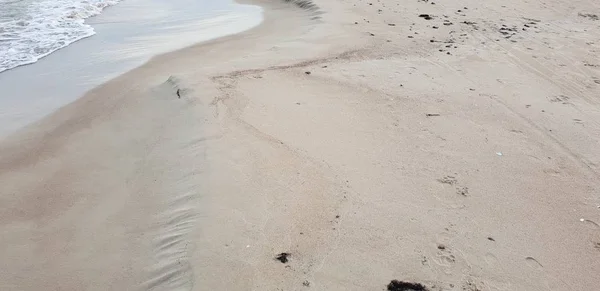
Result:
367,141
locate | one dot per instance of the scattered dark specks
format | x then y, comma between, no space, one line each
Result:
590,16
426,16
464,191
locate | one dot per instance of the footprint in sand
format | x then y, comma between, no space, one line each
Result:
444,256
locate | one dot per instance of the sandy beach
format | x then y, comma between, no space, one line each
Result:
339,145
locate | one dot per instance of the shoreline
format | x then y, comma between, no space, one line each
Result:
365,142
121,44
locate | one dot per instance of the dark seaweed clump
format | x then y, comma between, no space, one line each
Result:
396,285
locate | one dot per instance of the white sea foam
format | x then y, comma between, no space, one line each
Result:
32,29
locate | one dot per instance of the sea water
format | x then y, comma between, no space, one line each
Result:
32,29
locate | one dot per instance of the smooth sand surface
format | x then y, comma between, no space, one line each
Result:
460,152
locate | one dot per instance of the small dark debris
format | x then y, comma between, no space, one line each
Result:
337,216
458,10
435,27
306,283
324,67
448,23
448,53
491,238
391,24
471,89
426,16
410,36
372,34
178,95
432,114
464,191
590,16
432,40
396,285
441,247
283,257
307,72
297,103
355,22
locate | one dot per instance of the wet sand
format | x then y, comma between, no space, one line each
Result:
367,141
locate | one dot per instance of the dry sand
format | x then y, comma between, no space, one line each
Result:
460,151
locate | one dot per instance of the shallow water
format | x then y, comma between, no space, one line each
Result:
127,35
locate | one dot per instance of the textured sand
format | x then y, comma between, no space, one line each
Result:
310,135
